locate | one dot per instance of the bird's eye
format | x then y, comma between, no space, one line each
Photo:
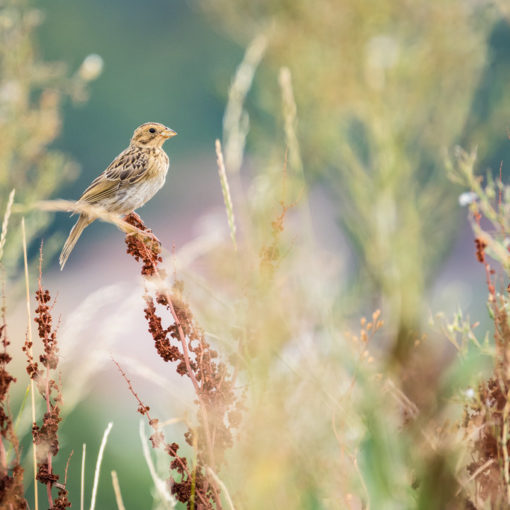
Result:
152,130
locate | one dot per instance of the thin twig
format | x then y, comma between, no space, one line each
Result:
29,333
151,421
93,211
98,465
479,471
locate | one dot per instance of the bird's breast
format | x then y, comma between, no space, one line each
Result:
135,195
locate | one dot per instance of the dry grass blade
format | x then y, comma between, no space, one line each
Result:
82,477
95,212
480,470
226,193
5,223
116,489
294,153
223,487
29,334
160,484
235,119
98,465
290,118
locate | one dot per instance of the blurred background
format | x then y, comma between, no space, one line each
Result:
353,114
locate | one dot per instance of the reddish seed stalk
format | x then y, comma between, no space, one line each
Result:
47,432
50,456
152,422
150,257
47,395
202,406
191,375
11,489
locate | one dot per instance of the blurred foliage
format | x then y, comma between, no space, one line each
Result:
486,415
382,90
31,95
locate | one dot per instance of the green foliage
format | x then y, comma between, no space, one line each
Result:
382,89
361,98
31,95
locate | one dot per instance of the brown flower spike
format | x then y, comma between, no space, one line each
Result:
11,474
184,343
44,374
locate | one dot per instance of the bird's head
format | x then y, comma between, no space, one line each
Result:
151,134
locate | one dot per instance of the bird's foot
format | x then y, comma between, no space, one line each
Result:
133,218
141,231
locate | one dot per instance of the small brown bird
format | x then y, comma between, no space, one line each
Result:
130,181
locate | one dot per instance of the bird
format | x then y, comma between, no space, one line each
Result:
130,180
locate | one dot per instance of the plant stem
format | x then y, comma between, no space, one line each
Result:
29,333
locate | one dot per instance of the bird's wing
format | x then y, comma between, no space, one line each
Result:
127,168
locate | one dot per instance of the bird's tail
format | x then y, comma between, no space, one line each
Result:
74,235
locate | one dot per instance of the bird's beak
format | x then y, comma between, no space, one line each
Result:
168,133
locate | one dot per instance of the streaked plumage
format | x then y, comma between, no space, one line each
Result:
130,181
